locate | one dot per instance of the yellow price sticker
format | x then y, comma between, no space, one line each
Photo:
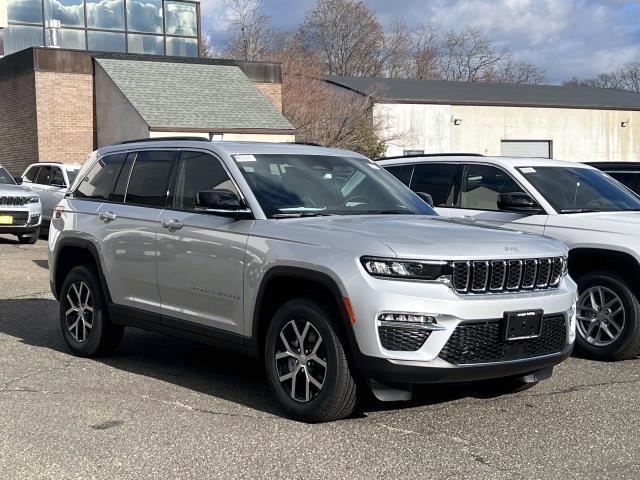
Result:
6,220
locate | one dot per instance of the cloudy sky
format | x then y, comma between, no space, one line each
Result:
566,37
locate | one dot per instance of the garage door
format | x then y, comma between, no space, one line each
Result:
526,148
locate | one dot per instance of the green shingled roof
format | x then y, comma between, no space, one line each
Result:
188,96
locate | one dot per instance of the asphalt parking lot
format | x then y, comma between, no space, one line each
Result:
167,408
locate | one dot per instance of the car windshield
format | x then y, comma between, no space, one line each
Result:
577,190
72,174
5,178
313,185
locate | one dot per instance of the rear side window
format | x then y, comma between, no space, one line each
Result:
402,172
32,173
440,180
57,178
150,178
101,179
44,176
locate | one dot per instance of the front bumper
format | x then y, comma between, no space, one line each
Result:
18,230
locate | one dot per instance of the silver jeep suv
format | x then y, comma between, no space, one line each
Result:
317,260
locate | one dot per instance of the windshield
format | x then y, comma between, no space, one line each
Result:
575,190
5,178
310,185
72,174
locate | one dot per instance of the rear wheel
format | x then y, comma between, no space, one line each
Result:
83,315
607,317
307,365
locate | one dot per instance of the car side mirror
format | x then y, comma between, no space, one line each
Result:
18,180
518,202
426,197
222,202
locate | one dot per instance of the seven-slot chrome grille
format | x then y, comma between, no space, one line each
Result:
506,276
13,200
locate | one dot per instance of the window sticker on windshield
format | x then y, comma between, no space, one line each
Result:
528,170
245,158
374,166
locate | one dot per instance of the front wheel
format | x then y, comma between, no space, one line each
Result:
607,317
307,365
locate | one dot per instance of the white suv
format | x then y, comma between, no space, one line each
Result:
51,182
20,210
594,215
315,259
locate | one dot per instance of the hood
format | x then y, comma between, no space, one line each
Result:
624,223
13,190
425,237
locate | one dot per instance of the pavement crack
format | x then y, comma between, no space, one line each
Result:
578,388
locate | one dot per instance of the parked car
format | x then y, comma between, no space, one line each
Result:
595,216
627,173
51,182
20,209
315,259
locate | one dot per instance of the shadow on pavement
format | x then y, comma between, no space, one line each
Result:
226,375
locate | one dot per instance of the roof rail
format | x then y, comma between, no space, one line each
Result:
166,139
420,155
310,144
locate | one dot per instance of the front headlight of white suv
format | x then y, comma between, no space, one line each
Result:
405,269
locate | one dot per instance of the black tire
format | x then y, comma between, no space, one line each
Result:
29,239
627,345
103,337
338,395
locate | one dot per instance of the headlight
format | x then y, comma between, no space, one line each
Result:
565,265
35,199
416,270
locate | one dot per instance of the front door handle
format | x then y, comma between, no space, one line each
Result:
107,216
172,224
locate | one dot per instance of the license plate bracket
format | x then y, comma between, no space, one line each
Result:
522,325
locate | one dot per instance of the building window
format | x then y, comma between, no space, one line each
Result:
72,39
527,148
147,44
182,47
181,18
25,11
19,37
70,13
106,41
105,14
144,16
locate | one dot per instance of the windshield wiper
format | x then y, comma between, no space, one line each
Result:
580,210
386,212
301,214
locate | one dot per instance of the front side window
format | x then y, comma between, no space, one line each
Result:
32,173
72,174
576,190
150,178
44,176
483,184
440,180
101,179
5,178
307,185
57,177
199,172
401,172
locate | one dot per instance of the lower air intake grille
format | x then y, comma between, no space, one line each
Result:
403,338
483,342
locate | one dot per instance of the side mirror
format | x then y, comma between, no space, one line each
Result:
18,180
222,202
518,203
426,197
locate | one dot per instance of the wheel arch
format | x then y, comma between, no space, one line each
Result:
584,260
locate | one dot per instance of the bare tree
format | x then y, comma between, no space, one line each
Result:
207,49
346,35
631,77
426,53
396,57
252,35
625,78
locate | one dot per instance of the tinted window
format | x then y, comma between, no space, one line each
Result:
150,179
198,172
71,175
483,184
628,179
44,176
402,172
99,182
32,173
57,178
438,180
5,178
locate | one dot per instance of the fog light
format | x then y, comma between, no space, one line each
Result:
406,318
33,219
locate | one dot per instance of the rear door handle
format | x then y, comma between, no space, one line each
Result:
172,224
107,216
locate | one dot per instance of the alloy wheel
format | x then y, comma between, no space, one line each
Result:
301,361
79,315
600,315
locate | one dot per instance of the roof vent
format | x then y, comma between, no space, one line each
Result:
53,30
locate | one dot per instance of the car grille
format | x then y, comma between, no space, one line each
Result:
483,342
10,200
19,218
402,338
505,276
